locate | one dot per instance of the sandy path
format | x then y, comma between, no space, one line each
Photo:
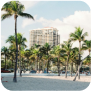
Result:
44,83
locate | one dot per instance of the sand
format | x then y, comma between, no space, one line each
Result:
46,83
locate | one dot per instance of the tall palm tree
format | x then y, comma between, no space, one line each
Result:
78,35
14,8
67,46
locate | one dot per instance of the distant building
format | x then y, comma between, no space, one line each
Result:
44,35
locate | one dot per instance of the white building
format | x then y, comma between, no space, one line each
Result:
44,35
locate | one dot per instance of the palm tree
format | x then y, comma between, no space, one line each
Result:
78,36
73,56
58,54
21,43
36,55
45,50
32,58
87,46
27,54
4,51
14,8
11,55
67,46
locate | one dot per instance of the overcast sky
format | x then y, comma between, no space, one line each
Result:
63,15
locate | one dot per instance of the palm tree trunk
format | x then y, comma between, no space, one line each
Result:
20,59
78,69
5,61
42,66
71,68
89,51
37,63
79,58
90,63
28,63
58,70
22,63
12,64
66,71
58,65
48,66
24,66
15,79
78,73
67,67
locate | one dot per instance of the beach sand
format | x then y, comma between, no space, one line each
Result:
46,83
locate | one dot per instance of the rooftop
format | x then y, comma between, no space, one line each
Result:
44,28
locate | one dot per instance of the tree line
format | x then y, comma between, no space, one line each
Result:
42,56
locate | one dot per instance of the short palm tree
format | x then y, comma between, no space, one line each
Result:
78,35
45,50
87,46
14,8
36,53
73,55
58,53
27,54
4,51
67,46
23,60
21,43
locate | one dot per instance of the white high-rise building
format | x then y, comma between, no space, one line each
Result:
44,35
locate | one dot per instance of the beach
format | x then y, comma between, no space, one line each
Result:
46,83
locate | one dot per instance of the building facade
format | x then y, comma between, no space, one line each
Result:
44,35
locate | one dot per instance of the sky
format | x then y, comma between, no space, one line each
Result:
63,15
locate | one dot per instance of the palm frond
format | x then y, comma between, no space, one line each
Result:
21,8
85,34
4,16
73,36
84,48
25,15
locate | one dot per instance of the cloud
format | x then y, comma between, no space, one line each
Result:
29,4
67,25
80,18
